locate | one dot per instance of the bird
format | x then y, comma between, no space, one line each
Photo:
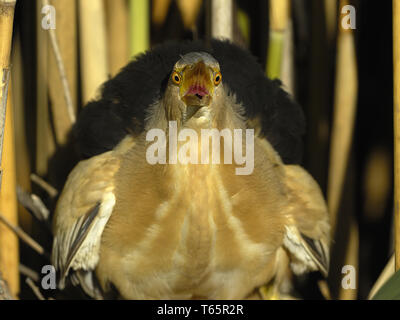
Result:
156,227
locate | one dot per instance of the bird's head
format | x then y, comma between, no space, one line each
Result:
193,85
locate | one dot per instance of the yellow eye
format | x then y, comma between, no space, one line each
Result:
217,78
176,78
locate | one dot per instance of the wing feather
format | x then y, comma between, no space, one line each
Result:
307,234
82,212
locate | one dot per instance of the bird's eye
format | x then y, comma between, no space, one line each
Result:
176,78
217,78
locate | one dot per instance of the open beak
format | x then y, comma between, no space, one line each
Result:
197,88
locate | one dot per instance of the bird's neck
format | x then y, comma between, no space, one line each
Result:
215,125
222,113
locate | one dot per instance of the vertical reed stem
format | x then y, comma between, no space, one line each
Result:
221,19
396,116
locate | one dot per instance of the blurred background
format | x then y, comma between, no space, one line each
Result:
334,57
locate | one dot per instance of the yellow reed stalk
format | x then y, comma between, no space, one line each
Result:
279,17
9,251
92,47
139,26
117,34
6,28
222,19
396,116
9,255
189,12
351,258
45,145
21,144
159,11
345,102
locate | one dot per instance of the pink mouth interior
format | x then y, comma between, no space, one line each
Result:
197,90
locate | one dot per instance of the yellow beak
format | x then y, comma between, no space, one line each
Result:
197,88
